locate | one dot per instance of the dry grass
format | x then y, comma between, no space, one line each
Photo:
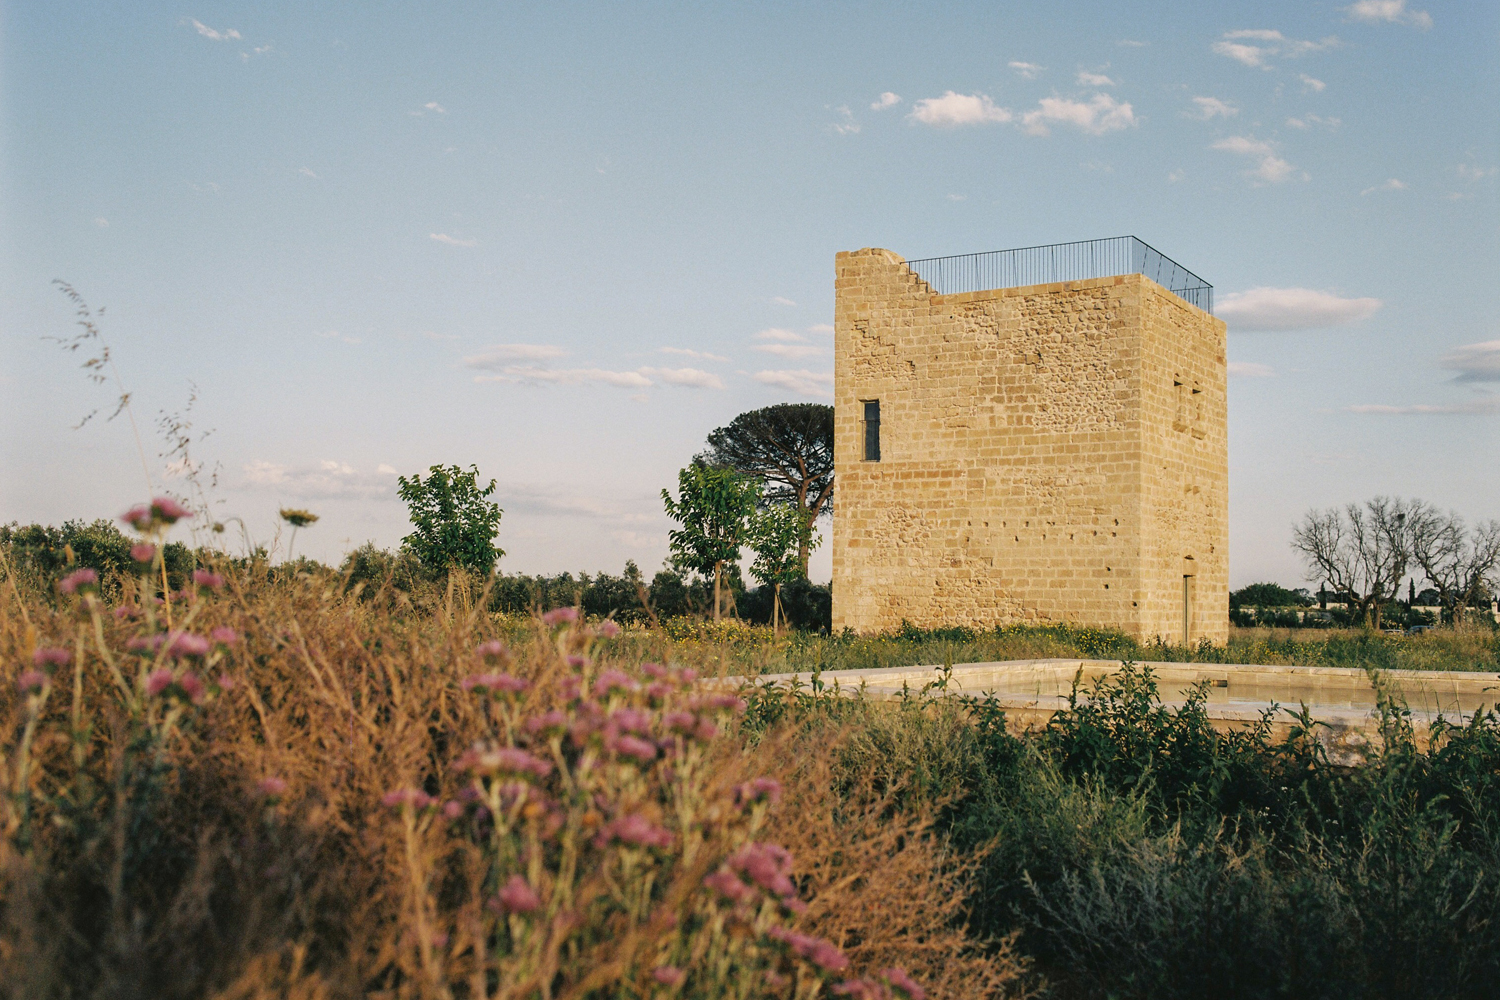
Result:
142,856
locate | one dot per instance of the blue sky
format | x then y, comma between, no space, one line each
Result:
563,242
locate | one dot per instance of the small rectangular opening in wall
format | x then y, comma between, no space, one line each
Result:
1187,610
872,430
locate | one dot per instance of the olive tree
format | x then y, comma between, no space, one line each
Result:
1361,551
1459,562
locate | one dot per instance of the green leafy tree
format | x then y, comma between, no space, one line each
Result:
778,534
456,522
715,507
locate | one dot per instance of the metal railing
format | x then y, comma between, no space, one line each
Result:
977,272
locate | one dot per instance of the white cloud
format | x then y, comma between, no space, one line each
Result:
820,328
328,479
801,381
1131,44
385,470
779,301
791,351
1389,11
959,109
217,36
847,126
307,172
885,100
1483,406
1100,115
1212,107
957,197
453,241
1308,121
102,222
1311,84
1291,309
1250,369
567,376
1271,168
784,336
1029,71
1470,172
1474,362
691,378
1390,185
1087,79
690,353
436,107
1237,45
501,355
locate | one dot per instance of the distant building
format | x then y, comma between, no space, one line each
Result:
1018,438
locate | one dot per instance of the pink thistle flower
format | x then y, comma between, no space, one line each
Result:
687,676
494,683
668,975
188,644
192,687
634,828
138,517
828,958
611,680
767,865
658,691
633,746
549,723
898,978
271,787
680,721
32,681
414,797
494,650
145,643
794,905
608,629
502,760
453,809
576,662
158,681
631,720
54,656
655,671
518,897
143,553
125,611
560,616
207,579
224,636
728,886
169,511
760,789
705,730
84,578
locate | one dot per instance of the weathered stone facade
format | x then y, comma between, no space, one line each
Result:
1047,453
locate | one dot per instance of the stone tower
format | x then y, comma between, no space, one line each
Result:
1048,452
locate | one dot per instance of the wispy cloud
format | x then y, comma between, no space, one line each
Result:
307,172
820,328
1484,406
687,352
689,378
1390,185
1087,79
1389,12
1130,43
1473,172
1098,116
502,355
802,381
782,336
1256,47
791,351
453,241
846,125
102,222
211,34
1026,70
959,109
1212,107
780,301
1308,121
1280,309
885,100
1474,362
1311,84
567,376
1269,169
1250,369
435,107
329,479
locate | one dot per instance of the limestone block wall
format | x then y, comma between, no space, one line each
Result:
1029,467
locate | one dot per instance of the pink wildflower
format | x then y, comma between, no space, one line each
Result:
207,579
143,553
518,897
169,511
549,723
188,644
757,790
560,616
898,978
633,746
54,656
727,885
680,721
576,662
192,687
85,578
138,517
125,611
226,683
705,730
224,636
858,989
611,680
494,650
654,670
668,975
510,760
828,958
631,720
494,683
32,681
608,629
145,643
634,828
687,675
271,787
767,865
414,797
158,681
453,809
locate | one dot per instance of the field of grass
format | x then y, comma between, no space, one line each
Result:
302,789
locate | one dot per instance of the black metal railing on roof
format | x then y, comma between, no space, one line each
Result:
977,272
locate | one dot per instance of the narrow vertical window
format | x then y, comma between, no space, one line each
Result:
872,430
1187,609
